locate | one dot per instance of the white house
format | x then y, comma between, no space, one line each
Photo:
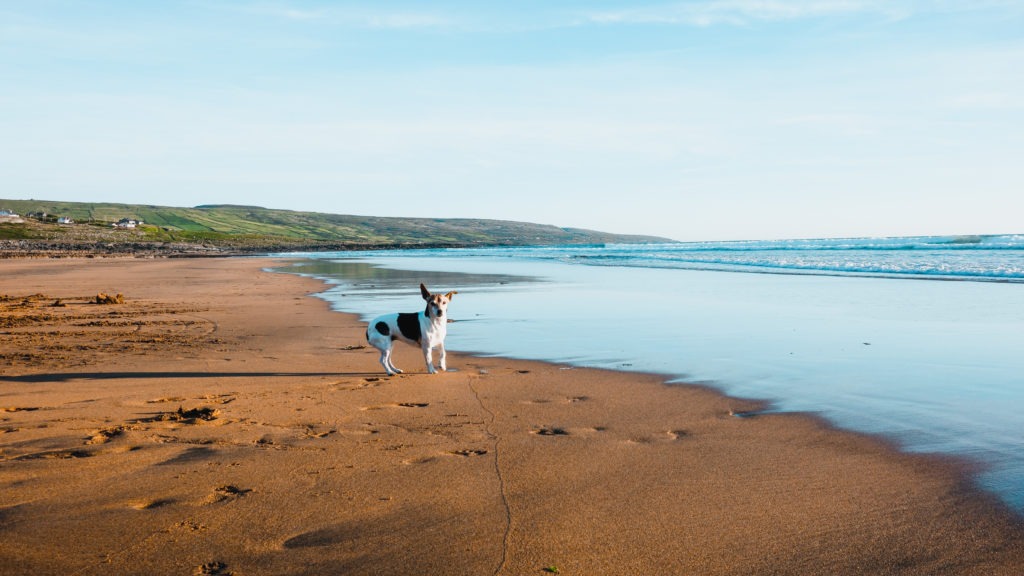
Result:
65,220
6,216
127,223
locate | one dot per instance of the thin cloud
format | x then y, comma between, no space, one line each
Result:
405,20
340,16
740,12
992,100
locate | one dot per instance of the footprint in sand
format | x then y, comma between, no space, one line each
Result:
550,431
190,416
152,504
312,433
469,452
168,399
105,435
212,569
55,455
397,405
219,398
569,400
423,460
363,431
227,493
189,526
117,450
668,436
346,385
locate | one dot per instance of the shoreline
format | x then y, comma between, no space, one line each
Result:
15,249
181,430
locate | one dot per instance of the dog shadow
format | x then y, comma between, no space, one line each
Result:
70,376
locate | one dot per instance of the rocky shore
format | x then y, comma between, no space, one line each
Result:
57,249
61,249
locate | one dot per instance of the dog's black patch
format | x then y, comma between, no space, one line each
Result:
409,325
382,327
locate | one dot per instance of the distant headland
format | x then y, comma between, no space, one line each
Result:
56,228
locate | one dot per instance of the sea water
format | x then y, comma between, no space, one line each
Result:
873,334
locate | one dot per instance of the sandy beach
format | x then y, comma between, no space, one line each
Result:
220,420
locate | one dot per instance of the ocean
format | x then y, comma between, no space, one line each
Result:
920,340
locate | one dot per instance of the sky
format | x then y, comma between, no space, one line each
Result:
692,120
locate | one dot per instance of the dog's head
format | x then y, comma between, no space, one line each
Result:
437,304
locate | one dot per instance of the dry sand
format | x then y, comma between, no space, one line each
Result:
221,421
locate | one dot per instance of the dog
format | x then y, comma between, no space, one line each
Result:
425,329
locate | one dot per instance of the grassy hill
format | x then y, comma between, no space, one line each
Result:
252,228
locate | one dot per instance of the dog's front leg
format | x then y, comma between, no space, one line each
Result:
442,358
428,357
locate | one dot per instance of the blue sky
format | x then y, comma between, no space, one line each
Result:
695,120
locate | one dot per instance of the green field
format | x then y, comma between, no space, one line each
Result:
252,225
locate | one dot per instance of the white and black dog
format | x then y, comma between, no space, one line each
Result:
426,329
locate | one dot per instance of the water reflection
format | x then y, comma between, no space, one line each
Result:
360,277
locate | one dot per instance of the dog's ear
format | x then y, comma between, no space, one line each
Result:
424,292
450,294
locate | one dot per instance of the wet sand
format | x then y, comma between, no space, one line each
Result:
221,421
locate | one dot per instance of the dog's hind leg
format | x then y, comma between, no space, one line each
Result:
378,338
389,366
385,356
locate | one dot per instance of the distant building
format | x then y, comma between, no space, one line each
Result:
65,220
127,223
8,217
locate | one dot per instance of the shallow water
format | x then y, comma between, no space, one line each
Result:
935,366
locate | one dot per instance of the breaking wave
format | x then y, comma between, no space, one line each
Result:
979,258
